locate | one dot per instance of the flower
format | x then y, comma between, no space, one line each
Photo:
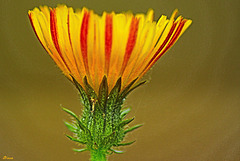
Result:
84,44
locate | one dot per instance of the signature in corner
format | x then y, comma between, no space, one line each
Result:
6,157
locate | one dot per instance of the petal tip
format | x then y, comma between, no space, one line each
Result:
29,12
175,12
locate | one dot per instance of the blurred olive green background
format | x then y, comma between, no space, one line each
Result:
190,108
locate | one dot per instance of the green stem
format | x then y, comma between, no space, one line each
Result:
98,155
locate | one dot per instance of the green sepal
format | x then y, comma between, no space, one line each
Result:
92,96
125,144
129,88
125,90
129,91
132,128
117,151
89,90
101,125
80,150
76,140
116,89
82,92
125,122
112,102
70,127
124,112
103,92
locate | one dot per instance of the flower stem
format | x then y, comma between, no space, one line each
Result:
98,155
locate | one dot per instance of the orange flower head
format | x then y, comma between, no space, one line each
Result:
84,44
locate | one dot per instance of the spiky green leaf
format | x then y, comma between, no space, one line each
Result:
78,121
117,151
70,127
125,122
125,144
80,150
132,128
124,112
76,140
70,113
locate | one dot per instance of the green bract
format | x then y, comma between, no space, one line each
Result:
102,124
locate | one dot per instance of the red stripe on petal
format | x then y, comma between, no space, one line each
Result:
174,38
131,42
163,44
53,29
83,38
108,40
